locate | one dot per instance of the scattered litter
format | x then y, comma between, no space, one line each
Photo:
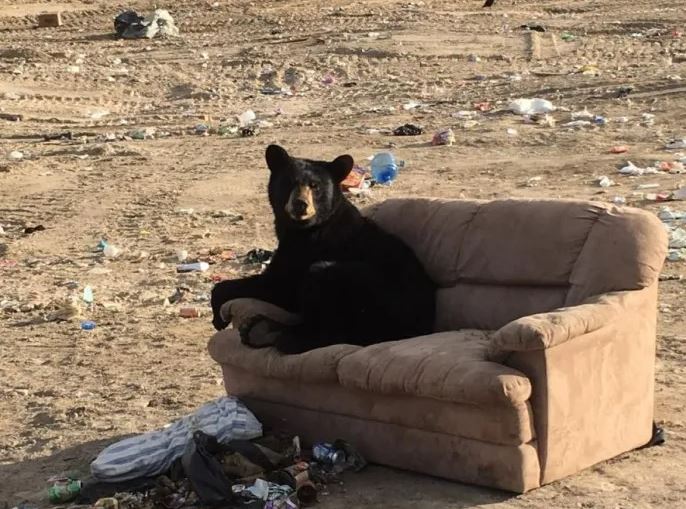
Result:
327,454
533,181
153,453
107,503
98,114
202,129
577,123
49,20
619,200
589,70
618,149
181,255
533,27
355,178
193,267
582,115
679,194
410,105
664,196
189,313
33,229
599,120
465,114
567,37
482,106
73,69
677,238
676,255
676,144
248,131
631,169
648,119
258,256
88,325
384,168
531,106
542,119
605,181
624,91
143,134
111,251
246,118
15,155
11,117
224,130
443,137
131,25
648,186
88,297
64,490
408,130
179,294
67,135
329,79
512,131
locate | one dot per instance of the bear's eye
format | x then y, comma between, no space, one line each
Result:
314,186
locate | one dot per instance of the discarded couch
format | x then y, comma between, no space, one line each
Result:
542,362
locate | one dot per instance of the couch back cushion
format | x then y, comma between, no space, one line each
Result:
497,261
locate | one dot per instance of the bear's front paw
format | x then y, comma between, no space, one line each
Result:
287,344
259,332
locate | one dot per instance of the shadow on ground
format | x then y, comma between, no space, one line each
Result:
25,481
376,486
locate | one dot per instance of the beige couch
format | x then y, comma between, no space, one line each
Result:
541,364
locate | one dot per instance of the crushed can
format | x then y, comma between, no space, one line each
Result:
327,454
64,490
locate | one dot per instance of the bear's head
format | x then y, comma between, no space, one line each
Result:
302,192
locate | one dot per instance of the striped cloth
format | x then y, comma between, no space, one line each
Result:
153,453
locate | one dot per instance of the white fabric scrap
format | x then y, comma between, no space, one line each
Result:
153,453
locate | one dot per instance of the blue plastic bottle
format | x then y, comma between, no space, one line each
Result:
384,168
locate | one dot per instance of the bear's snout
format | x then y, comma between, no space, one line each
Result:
300,205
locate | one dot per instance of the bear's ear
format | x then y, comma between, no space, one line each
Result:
340,167
277,158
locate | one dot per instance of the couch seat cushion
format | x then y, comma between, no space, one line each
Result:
314,366
451,366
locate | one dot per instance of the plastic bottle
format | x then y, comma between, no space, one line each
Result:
111,251
64,491
384,168
192,267
88,325
327,454
88,295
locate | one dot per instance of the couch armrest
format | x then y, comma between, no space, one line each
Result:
592,372
546,330
239,311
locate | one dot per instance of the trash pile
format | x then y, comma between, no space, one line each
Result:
216,456
131,25
675,224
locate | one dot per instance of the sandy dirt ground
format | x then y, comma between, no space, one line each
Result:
353,68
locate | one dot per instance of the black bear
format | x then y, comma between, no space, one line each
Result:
350,281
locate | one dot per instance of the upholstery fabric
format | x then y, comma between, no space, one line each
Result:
499,424
452,366
314,366
593,394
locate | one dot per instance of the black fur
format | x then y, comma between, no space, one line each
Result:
352,282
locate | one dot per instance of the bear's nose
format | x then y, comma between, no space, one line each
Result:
299,207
